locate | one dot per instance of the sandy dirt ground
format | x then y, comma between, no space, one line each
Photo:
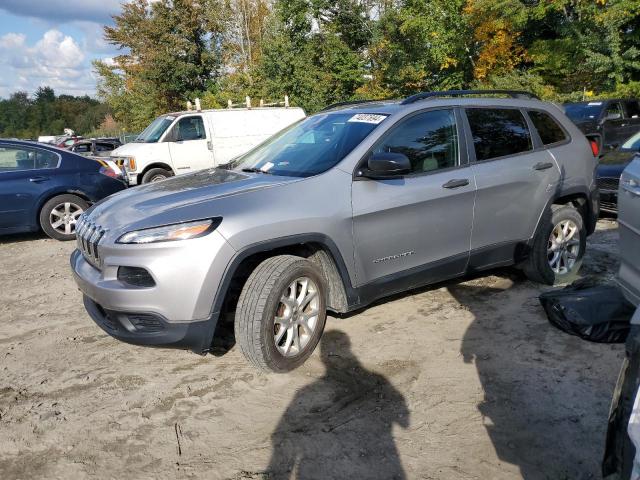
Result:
464,380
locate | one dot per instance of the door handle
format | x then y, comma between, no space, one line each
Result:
542,165
456,183
38,179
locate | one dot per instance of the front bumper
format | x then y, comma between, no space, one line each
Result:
152,329
177,310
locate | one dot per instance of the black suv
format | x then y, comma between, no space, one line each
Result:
615,120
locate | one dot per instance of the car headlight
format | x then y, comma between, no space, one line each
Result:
171,233
129,164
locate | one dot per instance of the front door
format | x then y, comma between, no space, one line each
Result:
25,174
613,126
420,223
513,182
190,147
629,223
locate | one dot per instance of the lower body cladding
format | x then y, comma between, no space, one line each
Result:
174,307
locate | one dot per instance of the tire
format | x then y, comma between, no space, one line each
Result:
59,215
262,302
538,267
156,175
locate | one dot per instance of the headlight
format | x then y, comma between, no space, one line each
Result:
171,233
130,164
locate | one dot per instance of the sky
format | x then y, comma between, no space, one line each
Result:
52,42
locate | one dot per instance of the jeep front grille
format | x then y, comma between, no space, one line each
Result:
88,236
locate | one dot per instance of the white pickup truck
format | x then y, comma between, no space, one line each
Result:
184,142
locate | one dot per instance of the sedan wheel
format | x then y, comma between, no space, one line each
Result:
64,216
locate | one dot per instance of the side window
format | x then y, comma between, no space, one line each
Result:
46,159
633,109
614,111
81,147
16,159
498,132
547,127
190,128
429,140
104,147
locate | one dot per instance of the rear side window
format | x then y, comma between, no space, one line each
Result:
498,132
429,140
548,129
633,108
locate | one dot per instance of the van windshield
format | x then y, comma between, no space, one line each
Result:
310,146
154,131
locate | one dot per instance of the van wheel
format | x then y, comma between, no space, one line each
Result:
156,175
59,215
281,313
558,247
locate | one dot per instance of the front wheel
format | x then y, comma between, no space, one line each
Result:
558,248
156,175
281,313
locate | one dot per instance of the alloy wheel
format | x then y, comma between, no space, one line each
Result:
563,247
64,216
296,317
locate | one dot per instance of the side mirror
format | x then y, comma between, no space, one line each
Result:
385,165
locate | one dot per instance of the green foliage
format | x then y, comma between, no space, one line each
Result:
320,52
48,114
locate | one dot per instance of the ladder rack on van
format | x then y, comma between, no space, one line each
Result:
247,103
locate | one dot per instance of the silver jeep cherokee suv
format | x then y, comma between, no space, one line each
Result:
352,204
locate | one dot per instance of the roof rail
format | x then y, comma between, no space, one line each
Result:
460,93
349,102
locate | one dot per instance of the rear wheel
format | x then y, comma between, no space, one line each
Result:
156,175
59,215
559,246
281,313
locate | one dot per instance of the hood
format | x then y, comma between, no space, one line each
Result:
178,199
618,157
140,149
587,126
613,163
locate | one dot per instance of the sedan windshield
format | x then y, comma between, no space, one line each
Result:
311,146
582,112
632,144
154,131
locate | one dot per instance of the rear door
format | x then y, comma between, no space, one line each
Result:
190,145
515,177
422,221
25,174
629,224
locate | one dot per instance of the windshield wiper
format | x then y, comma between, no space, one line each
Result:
256,170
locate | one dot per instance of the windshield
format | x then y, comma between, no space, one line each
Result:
311,146
632,144
581,112
154,131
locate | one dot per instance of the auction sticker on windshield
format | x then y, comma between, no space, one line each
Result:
367,118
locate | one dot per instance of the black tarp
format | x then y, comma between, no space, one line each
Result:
597,313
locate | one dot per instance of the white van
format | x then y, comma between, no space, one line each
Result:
188,141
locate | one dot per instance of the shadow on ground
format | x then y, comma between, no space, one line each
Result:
340,426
